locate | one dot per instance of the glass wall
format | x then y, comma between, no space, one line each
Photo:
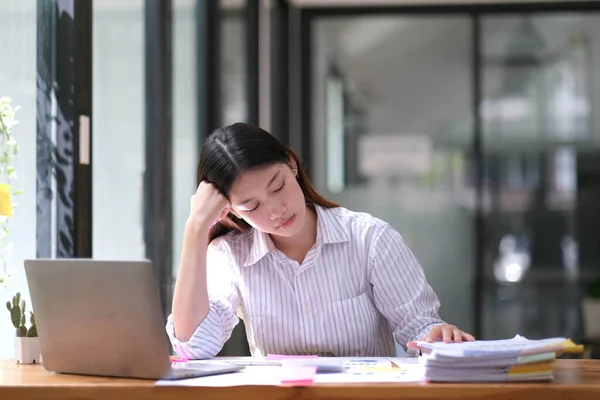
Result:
542,156
18,82
185,131
234,103
119,126
118,147
392,113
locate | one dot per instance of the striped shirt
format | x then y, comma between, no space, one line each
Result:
358,288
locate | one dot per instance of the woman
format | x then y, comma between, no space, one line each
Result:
307,276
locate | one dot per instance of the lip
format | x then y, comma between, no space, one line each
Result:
287,222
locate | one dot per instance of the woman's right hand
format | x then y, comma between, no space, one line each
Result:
208,205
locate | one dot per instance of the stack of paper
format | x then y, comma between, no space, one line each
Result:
517,359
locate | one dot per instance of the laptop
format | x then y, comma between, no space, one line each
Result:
104,318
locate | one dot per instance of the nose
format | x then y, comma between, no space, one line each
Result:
277,210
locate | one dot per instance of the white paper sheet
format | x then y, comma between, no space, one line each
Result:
407,372
366,370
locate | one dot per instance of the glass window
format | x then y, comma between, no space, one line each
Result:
18,82
118,130
185,131
233,62
542,171
393,136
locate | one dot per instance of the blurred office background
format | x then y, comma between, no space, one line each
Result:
471,126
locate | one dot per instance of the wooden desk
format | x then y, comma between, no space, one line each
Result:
575,379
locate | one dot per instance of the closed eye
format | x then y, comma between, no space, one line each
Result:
249,211
280,187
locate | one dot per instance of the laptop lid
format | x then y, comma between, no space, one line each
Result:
99,317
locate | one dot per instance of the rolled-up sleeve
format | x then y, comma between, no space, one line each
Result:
400,290
216,328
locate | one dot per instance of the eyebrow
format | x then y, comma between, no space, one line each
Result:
269,184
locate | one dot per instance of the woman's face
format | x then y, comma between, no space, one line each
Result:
270,200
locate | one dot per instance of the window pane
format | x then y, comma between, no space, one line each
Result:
233,62
185,134
542,171
392,136
118,129
18,82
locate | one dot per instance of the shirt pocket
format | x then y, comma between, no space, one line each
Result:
352,325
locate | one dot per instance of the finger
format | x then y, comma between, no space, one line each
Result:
432,336
468,337
412,346
447,333
457,335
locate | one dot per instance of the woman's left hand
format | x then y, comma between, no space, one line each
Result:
445,332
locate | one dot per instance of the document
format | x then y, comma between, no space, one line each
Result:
516,346
258,372
516,359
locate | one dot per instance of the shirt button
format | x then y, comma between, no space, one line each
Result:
307,310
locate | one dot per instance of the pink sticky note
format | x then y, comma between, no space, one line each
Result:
273,357
298,376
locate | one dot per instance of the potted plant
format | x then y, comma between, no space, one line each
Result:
27,345
591,311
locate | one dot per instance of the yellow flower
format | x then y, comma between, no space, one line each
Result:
5,204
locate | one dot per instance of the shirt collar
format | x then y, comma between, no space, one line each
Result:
330,229
330,226
261,246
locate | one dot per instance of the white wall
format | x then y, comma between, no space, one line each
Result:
18,81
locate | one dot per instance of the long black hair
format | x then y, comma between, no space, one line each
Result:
230,151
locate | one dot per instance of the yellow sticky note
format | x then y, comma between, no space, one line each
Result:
5,204
572,348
